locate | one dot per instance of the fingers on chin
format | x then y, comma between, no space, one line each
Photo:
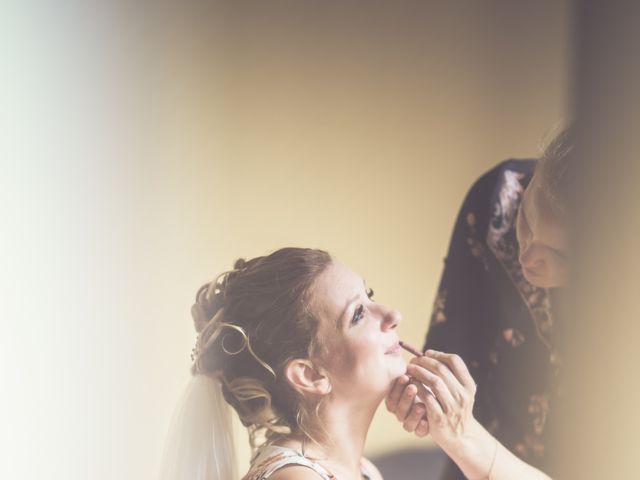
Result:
422,430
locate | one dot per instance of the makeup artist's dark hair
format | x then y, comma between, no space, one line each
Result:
251,322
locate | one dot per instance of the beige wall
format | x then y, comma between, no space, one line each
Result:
155,146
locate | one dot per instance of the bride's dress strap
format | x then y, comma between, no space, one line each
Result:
272,458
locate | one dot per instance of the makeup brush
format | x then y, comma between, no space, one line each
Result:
411,349
417,353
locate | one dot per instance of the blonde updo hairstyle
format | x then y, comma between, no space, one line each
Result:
251,321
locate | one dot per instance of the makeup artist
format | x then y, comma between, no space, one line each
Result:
497,306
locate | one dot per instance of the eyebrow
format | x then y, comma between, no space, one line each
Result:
341,318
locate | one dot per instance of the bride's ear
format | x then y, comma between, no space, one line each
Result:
307,378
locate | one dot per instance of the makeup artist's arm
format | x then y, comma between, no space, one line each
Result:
452,425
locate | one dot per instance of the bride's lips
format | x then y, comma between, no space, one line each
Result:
393,349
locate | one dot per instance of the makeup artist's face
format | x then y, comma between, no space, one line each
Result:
543,240
361,344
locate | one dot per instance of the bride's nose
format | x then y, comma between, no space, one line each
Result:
391,319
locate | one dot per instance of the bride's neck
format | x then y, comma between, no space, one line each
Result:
343,433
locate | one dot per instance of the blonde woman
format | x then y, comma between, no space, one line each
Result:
297,345
498,301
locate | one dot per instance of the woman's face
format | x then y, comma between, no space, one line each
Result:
543,240
358,334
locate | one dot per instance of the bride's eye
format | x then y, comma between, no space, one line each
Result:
370,293
358,314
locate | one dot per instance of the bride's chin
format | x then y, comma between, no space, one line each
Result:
398,368
394,376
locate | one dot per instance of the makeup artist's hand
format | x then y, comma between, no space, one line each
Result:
449,405
448,392
403,402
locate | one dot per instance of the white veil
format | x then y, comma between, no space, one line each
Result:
199,445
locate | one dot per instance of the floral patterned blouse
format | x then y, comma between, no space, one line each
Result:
502,326
271,458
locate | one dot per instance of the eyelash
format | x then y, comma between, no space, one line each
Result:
359,313
560,255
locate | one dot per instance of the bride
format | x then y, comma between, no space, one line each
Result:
296,344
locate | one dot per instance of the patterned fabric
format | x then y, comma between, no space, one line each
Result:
271,458
502,326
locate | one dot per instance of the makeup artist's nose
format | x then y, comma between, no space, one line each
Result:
391,319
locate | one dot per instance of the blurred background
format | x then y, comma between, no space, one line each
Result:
146,146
